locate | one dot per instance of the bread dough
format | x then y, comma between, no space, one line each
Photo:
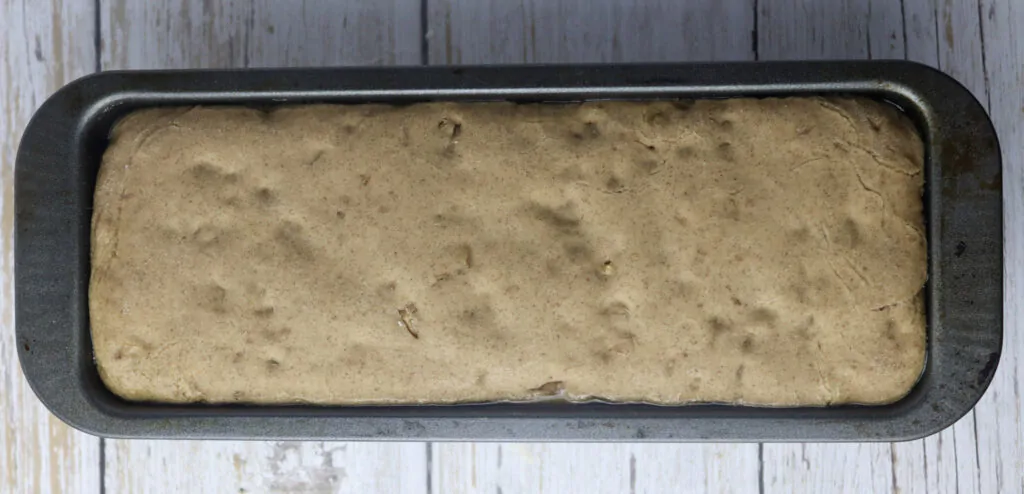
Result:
751,251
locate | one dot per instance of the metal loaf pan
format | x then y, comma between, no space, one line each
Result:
63,145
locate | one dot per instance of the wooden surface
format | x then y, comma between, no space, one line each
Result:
46,44
42,48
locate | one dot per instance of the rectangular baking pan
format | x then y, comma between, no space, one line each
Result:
62,147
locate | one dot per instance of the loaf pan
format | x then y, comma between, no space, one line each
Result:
62,147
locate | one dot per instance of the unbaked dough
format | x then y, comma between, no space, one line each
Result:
751,251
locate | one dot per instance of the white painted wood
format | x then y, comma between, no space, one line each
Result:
999,429
325,32
697,468
270,467
594,468
42,46
960,44
143,34
885,24
921,31
225,33
909,469
800,30
813,468
475,31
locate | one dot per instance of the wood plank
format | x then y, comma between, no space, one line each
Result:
326,33
813,467
799,30
43,46
278,467
140,34
226,33
478,32
593,468
921,31
885,27
536,31
999,429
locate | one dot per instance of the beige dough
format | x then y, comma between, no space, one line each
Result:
766,252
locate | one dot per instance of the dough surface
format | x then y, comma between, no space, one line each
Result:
750,251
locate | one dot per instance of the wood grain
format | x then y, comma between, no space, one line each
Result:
593,468
262,33
271,467
810,467
43,46
141,34
798,30
489,32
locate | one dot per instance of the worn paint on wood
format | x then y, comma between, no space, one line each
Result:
473,31
42,46
271,467
143,34
593,468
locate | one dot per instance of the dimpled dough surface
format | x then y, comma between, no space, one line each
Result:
765,252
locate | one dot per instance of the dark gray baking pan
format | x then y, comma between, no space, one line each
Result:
62,147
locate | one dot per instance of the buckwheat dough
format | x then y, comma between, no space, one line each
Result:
765,252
